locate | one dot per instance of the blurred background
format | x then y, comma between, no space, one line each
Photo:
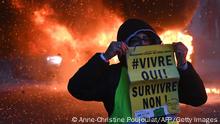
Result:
43,43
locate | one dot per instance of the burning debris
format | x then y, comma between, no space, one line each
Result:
78,29
43,37
55,27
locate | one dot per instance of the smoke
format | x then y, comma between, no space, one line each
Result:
78,29
87,18
162,14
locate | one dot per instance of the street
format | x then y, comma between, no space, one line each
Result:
40,104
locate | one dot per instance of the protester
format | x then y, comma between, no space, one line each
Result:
99,81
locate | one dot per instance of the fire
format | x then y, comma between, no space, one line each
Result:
57,32
171,36
167,37
77,49
212,91
40,15
74,48
104,38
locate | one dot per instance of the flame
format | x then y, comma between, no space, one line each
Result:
171,36
104,38
167,37
212,91
40,15
73,46
75,49
57,32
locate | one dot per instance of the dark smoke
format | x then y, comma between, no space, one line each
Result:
84,16
162,14
20,37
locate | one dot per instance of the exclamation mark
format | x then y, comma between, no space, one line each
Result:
165,98
165,73
161,77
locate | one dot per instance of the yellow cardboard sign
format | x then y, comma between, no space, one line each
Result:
154,81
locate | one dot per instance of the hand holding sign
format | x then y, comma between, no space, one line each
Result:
115,48
181,51
153,80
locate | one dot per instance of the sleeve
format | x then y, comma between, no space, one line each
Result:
191,87
88,81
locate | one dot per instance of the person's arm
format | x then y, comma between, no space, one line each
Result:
88,83
191,87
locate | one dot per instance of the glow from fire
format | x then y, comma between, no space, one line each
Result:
17,4
74,48
56,60
212,91
41,14
57,32
104,38
171,36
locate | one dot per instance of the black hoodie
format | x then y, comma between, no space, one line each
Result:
98,81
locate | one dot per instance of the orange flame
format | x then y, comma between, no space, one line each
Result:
171,36
41,14
104,38
167,37
74,49
212,91
57,32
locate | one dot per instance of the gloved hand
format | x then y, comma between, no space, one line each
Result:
115,48
181,51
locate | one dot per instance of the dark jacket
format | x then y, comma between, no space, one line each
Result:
97,81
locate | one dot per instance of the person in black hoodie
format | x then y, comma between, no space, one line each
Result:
99,81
